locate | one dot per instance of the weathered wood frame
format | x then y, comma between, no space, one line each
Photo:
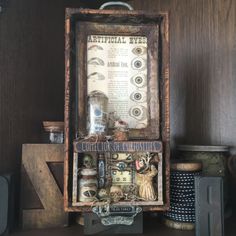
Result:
71,84
83,29
156,203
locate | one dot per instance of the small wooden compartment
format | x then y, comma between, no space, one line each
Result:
116,108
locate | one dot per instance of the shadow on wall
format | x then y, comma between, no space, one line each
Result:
195,100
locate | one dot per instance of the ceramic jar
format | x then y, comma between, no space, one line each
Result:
213,158
88,185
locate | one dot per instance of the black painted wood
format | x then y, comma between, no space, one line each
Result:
7,203
209,206
4,204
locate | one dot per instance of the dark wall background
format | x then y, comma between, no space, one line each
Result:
203,70
31,72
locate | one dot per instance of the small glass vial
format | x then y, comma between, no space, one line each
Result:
101,170
97,113
88,185
54,131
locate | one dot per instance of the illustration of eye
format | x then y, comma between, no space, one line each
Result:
138,63
138,96
138,112
139,80
95,47
96,76
96,61
139,50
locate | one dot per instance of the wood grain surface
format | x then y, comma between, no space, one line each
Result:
35,160
31,74
202,70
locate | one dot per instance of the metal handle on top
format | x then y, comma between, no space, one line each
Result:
123,4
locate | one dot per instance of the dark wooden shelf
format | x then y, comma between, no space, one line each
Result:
152,226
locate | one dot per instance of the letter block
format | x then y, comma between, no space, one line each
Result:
35,160
209,206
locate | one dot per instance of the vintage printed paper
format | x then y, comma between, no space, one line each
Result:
117,67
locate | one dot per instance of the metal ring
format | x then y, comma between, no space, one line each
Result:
203,148
124,4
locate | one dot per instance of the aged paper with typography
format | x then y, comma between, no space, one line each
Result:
117,66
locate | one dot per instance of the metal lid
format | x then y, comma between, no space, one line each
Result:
53,126
186,166
203,148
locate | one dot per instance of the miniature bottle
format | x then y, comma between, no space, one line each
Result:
97,113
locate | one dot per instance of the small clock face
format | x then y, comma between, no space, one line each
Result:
121,177
126,157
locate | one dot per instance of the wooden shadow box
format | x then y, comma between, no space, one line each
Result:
123,55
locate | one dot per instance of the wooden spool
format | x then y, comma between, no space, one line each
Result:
184,167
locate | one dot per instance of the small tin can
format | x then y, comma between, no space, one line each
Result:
214,159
